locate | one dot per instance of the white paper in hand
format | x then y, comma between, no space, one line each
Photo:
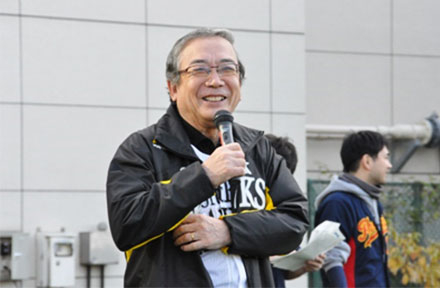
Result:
323,238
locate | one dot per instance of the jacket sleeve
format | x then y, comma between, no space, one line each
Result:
276,230
335,207
336,277
141,206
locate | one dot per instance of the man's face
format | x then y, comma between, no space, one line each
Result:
380,167
199,98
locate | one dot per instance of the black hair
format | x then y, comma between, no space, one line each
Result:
286,149
356,145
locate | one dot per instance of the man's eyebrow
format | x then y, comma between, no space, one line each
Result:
227,60
202,61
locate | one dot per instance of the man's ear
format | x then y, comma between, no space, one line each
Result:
366,162
172,90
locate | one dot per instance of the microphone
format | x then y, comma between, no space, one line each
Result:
223,120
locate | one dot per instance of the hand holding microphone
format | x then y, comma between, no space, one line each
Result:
227,161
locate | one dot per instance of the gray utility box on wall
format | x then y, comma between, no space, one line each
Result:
56,260
17,260
97,248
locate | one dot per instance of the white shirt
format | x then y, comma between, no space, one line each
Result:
225,270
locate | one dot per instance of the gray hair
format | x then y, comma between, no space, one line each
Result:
172,65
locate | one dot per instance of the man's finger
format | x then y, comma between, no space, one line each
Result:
191,246
185,239
185,227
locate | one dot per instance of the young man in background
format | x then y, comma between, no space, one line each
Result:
352,199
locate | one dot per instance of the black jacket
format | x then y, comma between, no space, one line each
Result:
154,182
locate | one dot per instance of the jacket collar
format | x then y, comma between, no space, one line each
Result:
171,134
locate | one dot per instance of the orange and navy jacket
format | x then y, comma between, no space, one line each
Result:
363,255
155,180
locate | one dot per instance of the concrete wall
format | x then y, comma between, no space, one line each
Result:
372,63
76,77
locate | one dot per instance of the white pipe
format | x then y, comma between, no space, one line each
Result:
421,131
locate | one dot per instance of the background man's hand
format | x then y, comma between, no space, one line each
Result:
199,232
225,163
314,264
309,266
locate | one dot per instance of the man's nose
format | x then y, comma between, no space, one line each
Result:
214,79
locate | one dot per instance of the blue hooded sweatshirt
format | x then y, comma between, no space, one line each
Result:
363,254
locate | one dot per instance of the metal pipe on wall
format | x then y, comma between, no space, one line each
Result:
421,131
426,134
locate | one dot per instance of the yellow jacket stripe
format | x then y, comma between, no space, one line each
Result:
130,251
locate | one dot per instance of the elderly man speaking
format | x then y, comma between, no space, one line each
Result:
189,209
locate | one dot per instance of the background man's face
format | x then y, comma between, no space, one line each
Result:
380,167
198,98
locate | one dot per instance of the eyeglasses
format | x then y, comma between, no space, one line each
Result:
203,70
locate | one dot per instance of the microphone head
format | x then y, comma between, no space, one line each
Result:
222,116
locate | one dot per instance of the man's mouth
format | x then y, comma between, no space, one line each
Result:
214,98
